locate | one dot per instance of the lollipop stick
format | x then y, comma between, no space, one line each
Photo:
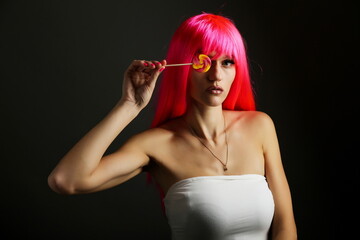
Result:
178,64
201,63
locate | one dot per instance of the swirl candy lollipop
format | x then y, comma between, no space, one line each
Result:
201,63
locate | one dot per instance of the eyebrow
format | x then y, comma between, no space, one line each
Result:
224,57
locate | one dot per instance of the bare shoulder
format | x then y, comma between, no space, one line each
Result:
151,136
255,120
151,139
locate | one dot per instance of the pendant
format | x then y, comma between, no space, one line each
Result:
225,168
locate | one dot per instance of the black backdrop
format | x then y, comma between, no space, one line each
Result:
61,72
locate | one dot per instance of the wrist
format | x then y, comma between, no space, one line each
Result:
130,107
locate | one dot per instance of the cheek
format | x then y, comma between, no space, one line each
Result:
194,81
192,86
230,78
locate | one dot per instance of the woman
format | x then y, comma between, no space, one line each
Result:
216,160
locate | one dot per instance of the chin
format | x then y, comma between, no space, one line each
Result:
213,102
209,101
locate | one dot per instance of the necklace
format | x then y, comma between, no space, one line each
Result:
227,147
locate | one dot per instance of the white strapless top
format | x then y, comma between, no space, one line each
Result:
220,208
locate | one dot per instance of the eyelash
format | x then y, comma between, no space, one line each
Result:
227,61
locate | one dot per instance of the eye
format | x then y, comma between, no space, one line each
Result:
228,62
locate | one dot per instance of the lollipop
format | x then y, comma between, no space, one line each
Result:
201,63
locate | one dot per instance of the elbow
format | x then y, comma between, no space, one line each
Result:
59,184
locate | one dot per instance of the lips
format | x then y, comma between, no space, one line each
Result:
215,90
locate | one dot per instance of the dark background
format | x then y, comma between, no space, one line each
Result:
61,73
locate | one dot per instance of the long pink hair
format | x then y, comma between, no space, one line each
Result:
204,33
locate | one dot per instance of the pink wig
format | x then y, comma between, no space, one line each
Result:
204,33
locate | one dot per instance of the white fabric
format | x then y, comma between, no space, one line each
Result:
220,208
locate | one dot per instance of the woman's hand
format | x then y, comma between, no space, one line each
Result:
139,81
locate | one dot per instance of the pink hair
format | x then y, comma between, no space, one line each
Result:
204,33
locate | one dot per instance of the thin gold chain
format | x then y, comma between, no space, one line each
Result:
227,147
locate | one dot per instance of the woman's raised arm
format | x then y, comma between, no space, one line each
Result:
85,168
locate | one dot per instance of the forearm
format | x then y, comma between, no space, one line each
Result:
284,235
78,164
284,230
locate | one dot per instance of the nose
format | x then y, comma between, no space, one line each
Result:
214,73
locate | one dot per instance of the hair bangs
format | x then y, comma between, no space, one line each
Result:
217,43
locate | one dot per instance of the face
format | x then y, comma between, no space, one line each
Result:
212,87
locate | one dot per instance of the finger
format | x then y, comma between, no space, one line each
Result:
162,63
160,66
149,67
136,65
157,67
152,67
144,64
153,64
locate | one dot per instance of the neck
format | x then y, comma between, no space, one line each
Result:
207,122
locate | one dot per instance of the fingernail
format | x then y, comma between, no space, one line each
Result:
145,64
161,69
152,65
